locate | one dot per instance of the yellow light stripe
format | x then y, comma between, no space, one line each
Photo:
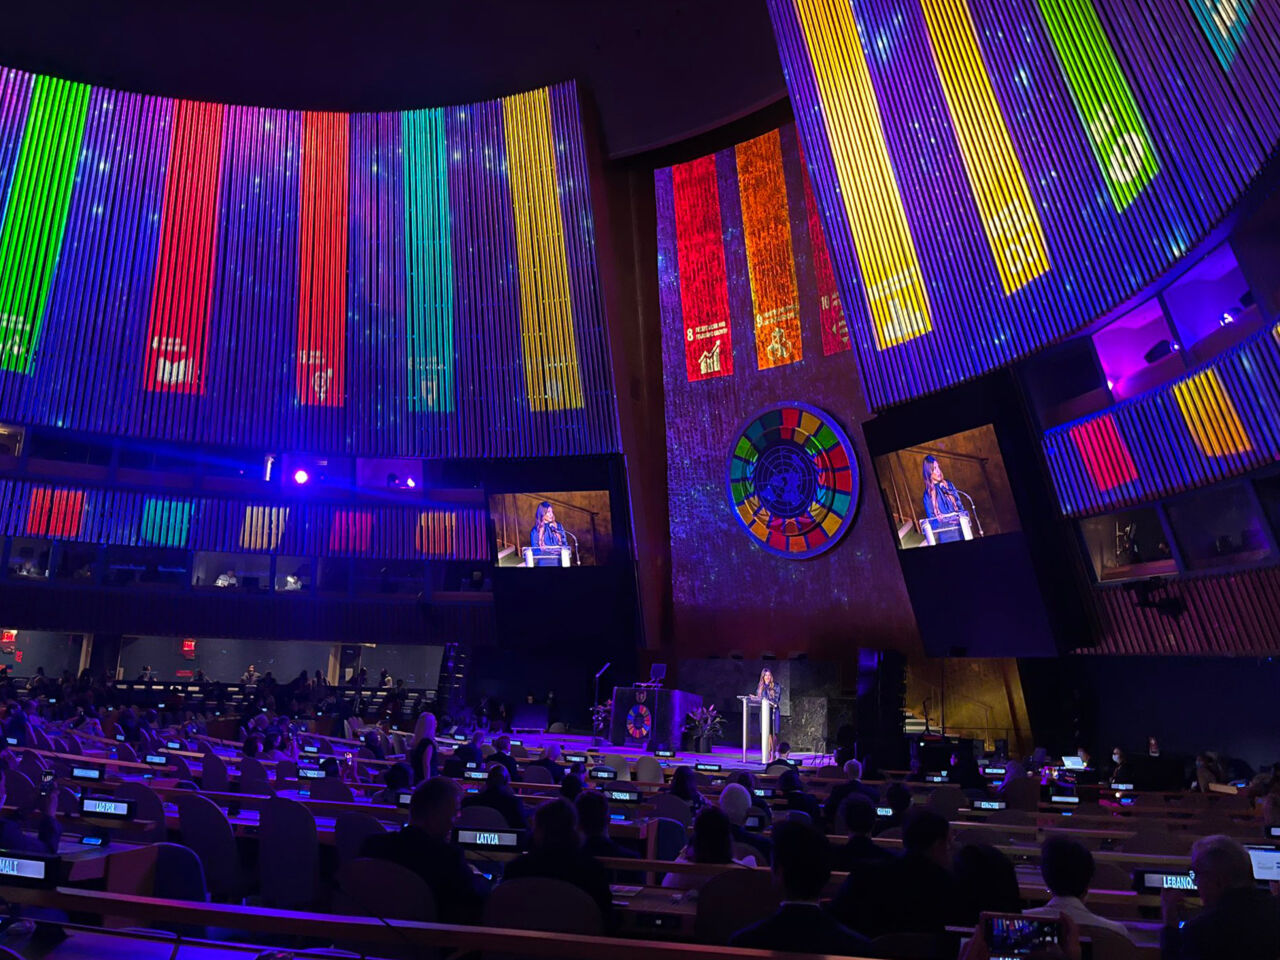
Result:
1210,415
892,281
547,339
999,187
262,527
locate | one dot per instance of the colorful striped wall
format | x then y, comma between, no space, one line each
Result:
135,519
745,278
1215,422
1236,614
419,283
994,174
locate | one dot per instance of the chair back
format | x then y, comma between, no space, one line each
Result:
619,763
286,770
332,789
912,946
181,769
487,750
541,903
732,900
68,802
799,816
477,817
349,833
366,887
1110,876
73,744
31,765
1152,840
179,874
205,829
149,807
40,739
670,838
536,774
253,777
829,771
213,774
671,807
947,800
558,727
288,854
1107,944
776,769
125,752
648,770
20,792
1021,794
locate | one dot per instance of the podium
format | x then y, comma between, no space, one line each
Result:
653,715
947,527
768,713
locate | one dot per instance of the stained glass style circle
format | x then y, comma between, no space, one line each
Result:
793,480
639,722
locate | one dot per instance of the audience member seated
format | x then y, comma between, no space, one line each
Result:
912,893
792,790
712,842
897,797
593,819
735,801
800,873
831,809
571,786
1239,921
550,762
497,794
987,881
784,756
502,754
1068,868
397,778
557,853
858,816
14,837
425,847
463,754
965,774
684,784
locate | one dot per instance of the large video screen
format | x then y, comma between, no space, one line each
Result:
948,490
564,529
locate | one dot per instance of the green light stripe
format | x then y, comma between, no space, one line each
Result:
1104,100
35,217
429,297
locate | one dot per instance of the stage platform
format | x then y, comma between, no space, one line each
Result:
728,755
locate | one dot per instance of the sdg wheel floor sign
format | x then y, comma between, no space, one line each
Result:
793,480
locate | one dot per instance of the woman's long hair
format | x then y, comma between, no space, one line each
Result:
940,497
540,525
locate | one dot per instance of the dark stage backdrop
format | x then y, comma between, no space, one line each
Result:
37,648
751,319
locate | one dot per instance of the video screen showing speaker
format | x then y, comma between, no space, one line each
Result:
565,529
948,490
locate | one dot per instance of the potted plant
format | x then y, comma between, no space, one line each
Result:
703,725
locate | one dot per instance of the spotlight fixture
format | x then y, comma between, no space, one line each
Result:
300,476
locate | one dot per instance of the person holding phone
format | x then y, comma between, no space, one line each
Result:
994,927
48,830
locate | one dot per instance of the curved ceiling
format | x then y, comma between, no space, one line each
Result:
657,70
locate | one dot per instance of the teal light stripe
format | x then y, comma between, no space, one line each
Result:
35,218
1225,23
429,299
1121,143
166,523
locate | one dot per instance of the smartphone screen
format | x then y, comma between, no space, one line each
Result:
1011,936
46,782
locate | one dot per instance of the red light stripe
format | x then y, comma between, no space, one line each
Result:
178,324
322,267
1104,453
704,284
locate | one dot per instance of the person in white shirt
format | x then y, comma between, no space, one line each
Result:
1067,868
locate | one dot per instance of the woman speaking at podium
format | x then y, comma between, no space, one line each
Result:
768,689
941,502
547,537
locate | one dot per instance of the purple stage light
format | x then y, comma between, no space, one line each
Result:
300,476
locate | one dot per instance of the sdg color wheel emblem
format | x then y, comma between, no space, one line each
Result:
639,722
793,480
